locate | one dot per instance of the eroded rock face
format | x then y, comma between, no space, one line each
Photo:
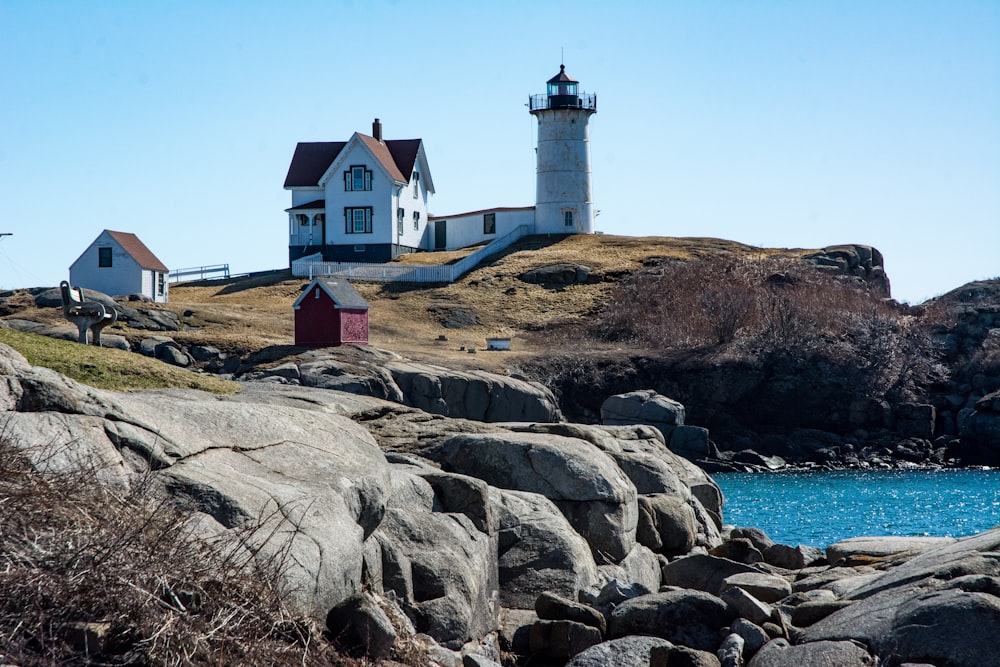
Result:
589,489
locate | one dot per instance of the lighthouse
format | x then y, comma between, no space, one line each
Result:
563,195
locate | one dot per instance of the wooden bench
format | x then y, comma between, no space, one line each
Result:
86,315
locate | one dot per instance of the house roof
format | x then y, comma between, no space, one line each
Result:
309,206
498,209
311,159
342,292
138,250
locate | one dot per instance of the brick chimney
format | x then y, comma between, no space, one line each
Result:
377,130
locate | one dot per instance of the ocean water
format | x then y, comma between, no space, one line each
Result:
820,508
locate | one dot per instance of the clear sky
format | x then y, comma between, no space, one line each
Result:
786,123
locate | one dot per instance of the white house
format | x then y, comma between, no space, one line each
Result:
119,263
365,199
360,200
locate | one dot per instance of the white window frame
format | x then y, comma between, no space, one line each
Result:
357,178
416,220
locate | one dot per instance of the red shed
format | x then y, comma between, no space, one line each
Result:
330,312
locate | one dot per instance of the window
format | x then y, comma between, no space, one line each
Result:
568,218
357,178
416,185
400,216
358,220
416,219
359,248
160,283
104,257
489,223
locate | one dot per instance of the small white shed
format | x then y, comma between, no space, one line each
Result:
119,263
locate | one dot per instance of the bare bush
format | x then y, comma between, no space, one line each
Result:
89,576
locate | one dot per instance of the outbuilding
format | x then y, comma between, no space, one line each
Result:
330,312
118,263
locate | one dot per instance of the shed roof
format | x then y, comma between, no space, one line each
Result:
138,250
311,159
309,206
342,292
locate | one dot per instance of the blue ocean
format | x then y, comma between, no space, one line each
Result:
820,508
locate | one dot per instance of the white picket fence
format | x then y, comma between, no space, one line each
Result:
312,266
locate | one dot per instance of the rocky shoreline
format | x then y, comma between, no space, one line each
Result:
517,541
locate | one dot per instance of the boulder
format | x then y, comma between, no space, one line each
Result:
747,606
557,275
792,558
561,639
881,547
551,607
730,653
779,653
359,627
439,565
583,482
474,395
642,407
666,524
681,656
632,651
538,550
764,587
702,572
686,617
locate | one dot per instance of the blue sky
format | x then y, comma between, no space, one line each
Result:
791,123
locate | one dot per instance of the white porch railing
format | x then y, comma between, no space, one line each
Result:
312,266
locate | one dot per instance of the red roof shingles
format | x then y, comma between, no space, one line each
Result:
311,159
138,250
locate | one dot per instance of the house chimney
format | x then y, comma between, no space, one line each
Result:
377,130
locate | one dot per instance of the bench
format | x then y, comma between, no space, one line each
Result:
86,315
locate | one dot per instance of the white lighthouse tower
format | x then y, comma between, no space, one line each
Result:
563,196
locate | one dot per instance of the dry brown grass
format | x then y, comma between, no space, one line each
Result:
250,314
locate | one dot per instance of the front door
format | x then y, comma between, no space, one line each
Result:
440,234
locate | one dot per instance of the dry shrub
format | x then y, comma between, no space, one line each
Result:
90,576
771,308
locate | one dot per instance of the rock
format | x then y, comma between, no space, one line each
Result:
361,628
764,587
472,394
747,606
583,482
613,593
561,639
739,549
538,550
915,420
952,588
641,567
551,607
807,613
515,630
474,660
702,572
758,538
730,652
686,617
642,407
632,651
440,566
779,653
792,558
681,656
666,524
882,547
753,636
691,442
557,274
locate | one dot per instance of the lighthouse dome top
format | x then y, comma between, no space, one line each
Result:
562,77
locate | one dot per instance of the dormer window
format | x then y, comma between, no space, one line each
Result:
357,178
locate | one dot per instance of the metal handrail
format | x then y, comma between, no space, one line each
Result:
587,101
201,271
